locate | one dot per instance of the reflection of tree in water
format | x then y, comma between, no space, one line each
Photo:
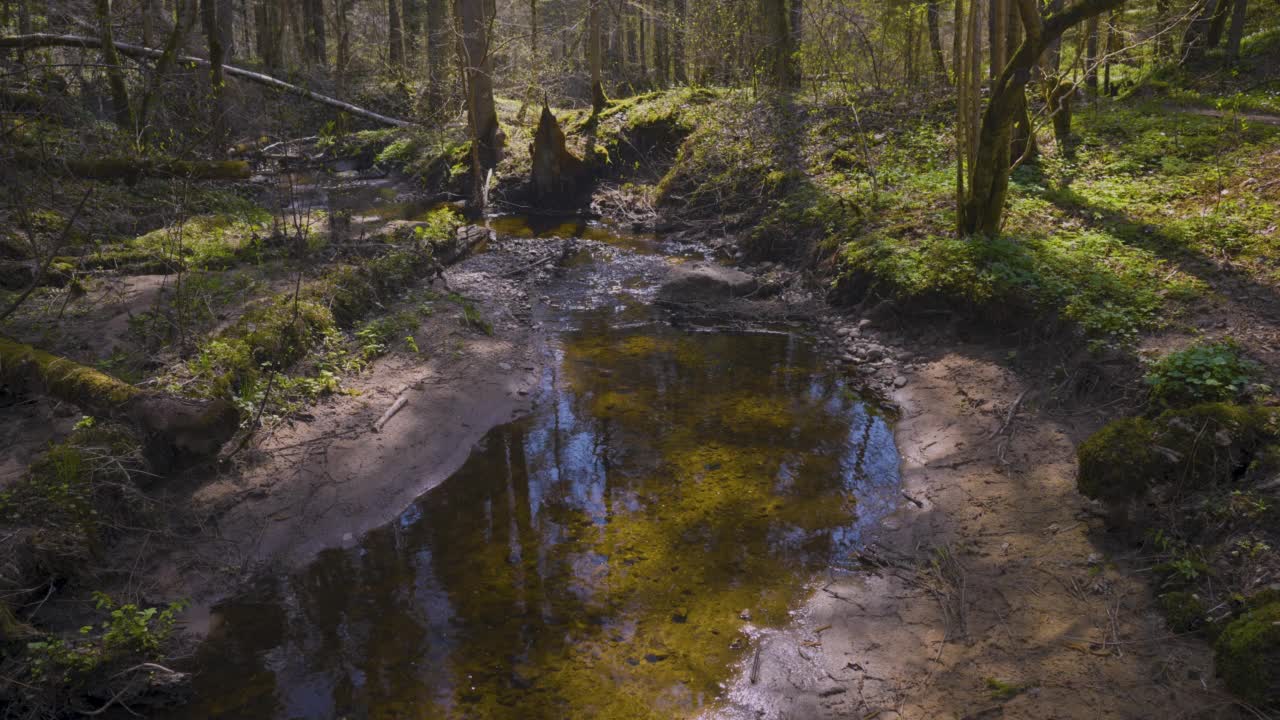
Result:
596,556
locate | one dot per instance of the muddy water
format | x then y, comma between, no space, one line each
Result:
612,555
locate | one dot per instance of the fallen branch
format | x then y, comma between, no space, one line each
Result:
39,40
390,413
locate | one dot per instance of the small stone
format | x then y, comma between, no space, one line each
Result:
681,615
864,323
745,614
1095,559
506,367
900,381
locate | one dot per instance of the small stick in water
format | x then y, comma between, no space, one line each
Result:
755,667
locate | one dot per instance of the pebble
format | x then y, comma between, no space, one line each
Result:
505,366
900,381
864,323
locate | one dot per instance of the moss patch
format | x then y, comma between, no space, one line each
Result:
1247,655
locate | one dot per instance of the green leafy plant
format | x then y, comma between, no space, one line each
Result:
1204,372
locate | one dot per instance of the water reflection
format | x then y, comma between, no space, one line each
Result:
593,560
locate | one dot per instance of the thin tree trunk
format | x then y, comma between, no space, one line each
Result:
213,33
661,60
438,33
395,36
1218,23
474,19
115,71
933,13
678,70
1091,57
1236,34
598,99
983,209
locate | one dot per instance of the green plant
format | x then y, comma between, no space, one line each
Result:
1203,372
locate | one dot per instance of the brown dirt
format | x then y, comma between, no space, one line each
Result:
1044,603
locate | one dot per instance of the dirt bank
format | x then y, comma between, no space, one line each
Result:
992,591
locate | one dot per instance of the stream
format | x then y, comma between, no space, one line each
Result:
614,554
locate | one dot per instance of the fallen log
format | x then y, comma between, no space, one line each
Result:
174,431
39,40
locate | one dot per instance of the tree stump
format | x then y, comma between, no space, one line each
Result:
557,172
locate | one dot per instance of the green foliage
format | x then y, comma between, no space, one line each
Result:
1247,656
1203,372
129,634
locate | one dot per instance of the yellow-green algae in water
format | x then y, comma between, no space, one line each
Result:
591,561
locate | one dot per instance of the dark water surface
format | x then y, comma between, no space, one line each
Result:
600,558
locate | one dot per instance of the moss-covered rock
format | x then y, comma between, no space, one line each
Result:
1247,655
1214,441
1119,462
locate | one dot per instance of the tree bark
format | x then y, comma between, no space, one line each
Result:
779,53
679,71
1164,40
983,208
174,431
1196,36
598,99
1218,23
1236,34
395,36
661,60
314,33
1091,57
120,104
474,19
213,32
79,41
438,33
934,15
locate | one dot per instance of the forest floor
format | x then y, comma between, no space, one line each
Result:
993,591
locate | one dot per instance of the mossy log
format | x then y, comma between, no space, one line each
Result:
557,173
132,169
175,431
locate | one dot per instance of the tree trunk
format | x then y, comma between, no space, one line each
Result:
661,59
174,431
1236,34
395,36
314,33
474,19
983,208
598,99
438,33
1196,36
115,71
1218,23
679,72
779,54
934,14
213,32
997,22
226,11
797,37
1091,57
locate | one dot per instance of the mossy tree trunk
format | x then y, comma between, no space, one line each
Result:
934,16
598,99
174,431
120,104
475,19
983,207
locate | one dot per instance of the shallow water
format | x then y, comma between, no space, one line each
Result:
612,555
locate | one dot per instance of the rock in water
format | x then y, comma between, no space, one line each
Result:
705,282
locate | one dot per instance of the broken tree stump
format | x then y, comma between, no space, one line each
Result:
557,172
